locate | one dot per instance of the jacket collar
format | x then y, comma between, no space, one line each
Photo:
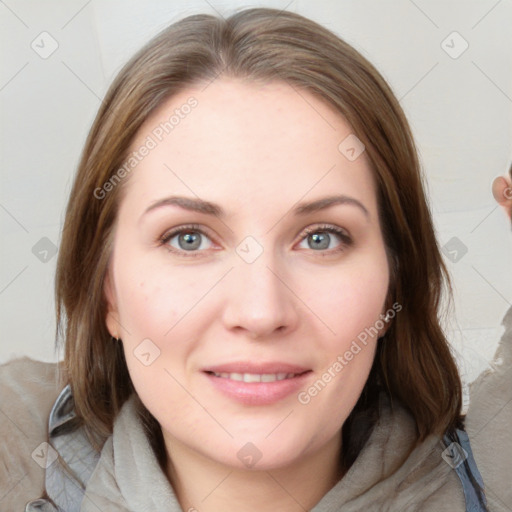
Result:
391,466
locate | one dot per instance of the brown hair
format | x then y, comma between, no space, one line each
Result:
413,364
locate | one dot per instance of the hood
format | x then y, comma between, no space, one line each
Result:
390,473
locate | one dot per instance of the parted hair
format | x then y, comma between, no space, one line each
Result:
413,363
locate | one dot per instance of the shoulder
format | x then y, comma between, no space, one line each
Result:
28,390
25,374
489,418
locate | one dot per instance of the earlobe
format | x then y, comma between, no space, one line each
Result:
502,192
385,320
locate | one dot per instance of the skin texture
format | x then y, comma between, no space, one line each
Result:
255,150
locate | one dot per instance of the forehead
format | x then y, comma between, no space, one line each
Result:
246,142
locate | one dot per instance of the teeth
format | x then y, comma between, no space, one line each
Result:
251,377
255,377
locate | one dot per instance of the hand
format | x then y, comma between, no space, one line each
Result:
502,192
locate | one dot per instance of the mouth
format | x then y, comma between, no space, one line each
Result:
253,384
255,377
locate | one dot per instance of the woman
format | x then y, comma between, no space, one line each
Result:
248,288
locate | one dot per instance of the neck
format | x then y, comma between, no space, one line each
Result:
202,484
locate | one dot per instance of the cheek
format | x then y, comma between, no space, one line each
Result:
153,297
154,304
147,309
353,302
157,309
351,307
348,300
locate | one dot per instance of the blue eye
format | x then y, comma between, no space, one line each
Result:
189,241
319,238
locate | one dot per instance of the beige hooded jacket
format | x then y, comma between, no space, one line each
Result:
386,476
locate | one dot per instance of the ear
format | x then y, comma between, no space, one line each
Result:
384,330
387,321
112,314
502,192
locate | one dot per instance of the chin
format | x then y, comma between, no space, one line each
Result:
259,454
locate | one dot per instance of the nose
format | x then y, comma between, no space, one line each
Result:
260,300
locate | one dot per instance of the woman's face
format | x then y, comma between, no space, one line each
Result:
239,331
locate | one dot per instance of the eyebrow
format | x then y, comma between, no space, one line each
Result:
208,208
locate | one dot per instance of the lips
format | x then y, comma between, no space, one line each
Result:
255,377
257,368
257,383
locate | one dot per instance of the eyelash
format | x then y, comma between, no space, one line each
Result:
346,241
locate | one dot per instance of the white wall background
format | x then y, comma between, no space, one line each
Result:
460,110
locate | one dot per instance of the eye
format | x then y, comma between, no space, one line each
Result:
320,238
185,239
191,240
